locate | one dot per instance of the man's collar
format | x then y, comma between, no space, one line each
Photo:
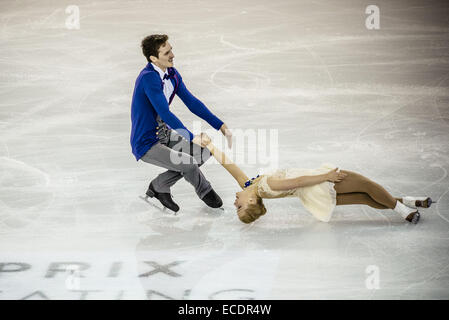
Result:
159,70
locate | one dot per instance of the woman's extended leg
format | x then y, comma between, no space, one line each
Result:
355,182
359,198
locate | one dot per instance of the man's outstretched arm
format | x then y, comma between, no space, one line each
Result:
198,108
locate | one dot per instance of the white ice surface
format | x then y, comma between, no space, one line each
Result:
371,101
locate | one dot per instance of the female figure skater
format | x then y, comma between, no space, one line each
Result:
319,190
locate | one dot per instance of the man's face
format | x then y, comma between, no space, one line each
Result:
165,59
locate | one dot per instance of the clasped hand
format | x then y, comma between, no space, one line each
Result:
202,139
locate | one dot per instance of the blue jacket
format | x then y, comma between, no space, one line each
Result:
149,101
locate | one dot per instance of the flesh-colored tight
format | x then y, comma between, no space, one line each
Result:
357,189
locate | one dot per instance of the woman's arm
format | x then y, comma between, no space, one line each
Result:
205,141
288,184
304,181
230,166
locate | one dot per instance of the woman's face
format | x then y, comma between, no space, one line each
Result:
242,199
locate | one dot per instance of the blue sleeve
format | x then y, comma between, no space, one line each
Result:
153,90
196,106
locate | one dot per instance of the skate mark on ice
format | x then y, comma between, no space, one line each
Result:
437,207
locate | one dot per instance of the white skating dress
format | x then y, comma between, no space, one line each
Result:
319,199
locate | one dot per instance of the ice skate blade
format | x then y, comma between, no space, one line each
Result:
161,208
414,219
213,211
149,193
429,202
217,210
424,203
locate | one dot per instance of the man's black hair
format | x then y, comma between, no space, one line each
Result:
151,44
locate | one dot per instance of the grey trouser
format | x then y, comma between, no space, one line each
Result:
182,159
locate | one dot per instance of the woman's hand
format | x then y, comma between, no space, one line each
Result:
202,139
334,176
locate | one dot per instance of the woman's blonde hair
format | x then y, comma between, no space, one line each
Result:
253,211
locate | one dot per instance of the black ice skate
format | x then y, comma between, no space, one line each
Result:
164,198
212,199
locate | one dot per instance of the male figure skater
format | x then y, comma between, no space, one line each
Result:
152,138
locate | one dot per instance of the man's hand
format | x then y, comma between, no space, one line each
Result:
202,139
227,133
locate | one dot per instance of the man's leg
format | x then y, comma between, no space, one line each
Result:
177,162
167,179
